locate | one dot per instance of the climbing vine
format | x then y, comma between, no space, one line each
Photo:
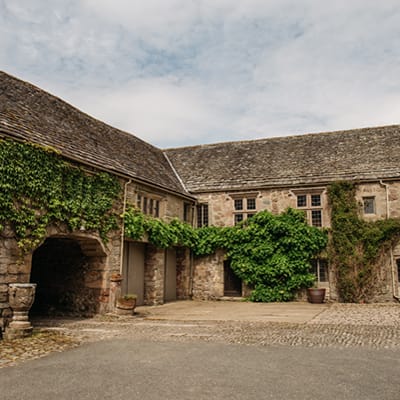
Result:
271,253
356,246
39,188
159,233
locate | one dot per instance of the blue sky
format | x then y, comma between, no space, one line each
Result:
182,72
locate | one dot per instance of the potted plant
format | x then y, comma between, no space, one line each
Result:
126,304
316,295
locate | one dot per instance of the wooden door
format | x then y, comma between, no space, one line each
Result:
133,270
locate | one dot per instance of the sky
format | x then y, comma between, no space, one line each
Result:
187,72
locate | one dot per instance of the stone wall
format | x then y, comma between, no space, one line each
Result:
221,210
208,277
221,205
154,275
171,206
183,271
82,283
13,269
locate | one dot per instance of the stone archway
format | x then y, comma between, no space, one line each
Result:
69,273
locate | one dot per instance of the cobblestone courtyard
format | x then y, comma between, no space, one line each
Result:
337,325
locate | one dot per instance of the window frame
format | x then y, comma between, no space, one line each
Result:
318,264
311,201
365,200
148,204
244,206
202,215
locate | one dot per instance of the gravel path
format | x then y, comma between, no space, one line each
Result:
340,325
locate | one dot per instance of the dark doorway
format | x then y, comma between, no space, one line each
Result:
232,283
398,270
58,268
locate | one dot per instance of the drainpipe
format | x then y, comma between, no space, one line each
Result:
191,275
394,283
121,260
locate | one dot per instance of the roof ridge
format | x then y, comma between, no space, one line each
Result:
299,136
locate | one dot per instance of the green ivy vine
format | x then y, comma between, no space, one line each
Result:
160,233
39,188
270,253
356,246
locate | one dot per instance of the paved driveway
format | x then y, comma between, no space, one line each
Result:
295,312
215,350
130,369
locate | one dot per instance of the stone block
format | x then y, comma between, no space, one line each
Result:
12,333
4,305
3,288
4,261
18,268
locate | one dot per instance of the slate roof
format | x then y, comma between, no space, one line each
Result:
370,153
31,114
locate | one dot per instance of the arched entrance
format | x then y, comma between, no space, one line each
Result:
68,272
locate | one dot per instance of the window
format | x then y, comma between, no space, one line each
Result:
187,212
369,205
238,204
244,208
238,218
316,217
398,270
301,200
311,203
202,215
315,200
319,267
251,204
148,205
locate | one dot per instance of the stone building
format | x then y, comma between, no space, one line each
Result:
217,184
232,181
74,270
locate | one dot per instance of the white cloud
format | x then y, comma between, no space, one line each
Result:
178,71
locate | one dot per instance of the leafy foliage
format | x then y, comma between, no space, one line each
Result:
39,188
272,254
160,233
356,246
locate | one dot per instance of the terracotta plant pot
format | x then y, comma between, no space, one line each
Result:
126,305
316,295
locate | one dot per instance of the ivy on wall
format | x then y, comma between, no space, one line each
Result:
357,247
38,188
161,234
271,253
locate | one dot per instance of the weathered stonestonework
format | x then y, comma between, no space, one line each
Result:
208,278
221,205
273,170
183,270
154,275
72,270
387,201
